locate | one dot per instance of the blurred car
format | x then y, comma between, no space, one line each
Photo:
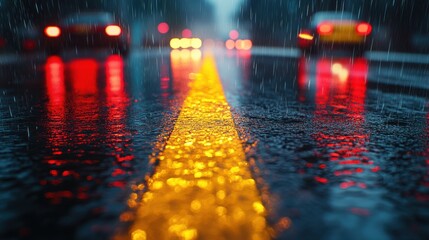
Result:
334,30
87,30
20,39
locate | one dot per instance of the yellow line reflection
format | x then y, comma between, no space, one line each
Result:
202,187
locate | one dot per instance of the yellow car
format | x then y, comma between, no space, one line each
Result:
334,30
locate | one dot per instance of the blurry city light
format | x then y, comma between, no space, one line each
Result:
175,43
163,28
196,43
185,43
113,30
233,34
52,31
247,44
243,44
364,28
230,44
186,33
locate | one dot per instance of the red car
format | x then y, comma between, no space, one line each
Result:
335,30
87,30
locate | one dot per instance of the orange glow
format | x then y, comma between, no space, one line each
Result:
247,44
52,31
305,36
243,44
113,30
364,29
230,44
233,34
325,29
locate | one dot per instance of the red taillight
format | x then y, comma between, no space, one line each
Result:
363,29
52,31
325,28
113,30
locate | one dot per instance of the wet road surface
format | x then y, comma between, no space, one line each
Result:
335,150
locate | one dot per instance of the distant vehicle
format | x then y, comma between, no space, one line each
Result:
334,30
21,39
87,30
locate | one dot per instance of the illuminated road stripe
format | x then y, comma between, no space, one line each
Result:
202,187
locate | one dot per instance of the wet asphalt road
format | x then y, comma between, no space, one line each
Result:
337,152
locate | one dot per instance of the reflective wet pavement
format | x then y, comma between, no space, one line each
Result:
333,154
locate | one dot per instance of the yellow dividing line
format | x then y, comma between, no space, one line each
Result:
202,187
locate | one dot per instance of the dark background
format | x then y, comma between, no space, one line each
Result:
399,25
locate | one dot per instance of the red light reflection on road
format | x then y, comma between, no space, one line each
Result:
339,88
71,122
117,103
76,121
340,99
341,85
55,89
117,99
55,86
185,65
83,75
114,75
165,82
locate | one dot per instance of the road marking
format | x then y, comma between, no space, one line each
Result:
202,187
